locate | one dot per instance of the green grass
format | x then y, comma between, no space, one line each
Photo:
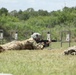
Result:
57,45
38,62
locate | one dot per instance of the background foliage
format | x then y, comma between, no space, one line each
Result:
28,21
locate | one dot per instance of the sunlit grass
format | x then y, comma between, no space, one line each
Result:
38,62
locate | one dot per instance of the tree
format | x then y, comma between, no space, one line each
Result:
42,13
13,13
25,16
30,10
3,11
20,12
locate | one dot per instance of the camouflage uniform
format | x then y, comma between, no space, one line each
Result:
70,51
21,45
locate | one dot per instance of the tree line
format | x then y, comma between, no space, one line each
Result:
60,16
38,20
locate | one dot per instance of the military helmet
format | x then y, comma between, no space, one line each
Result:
36,35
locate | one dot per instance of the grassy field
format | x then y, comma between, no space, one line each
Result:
50,61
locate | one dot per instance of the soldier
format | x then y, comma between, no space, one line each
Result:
70,51
37,38
30,43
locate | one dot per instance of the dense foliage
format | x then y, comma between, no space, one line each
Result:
28,21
